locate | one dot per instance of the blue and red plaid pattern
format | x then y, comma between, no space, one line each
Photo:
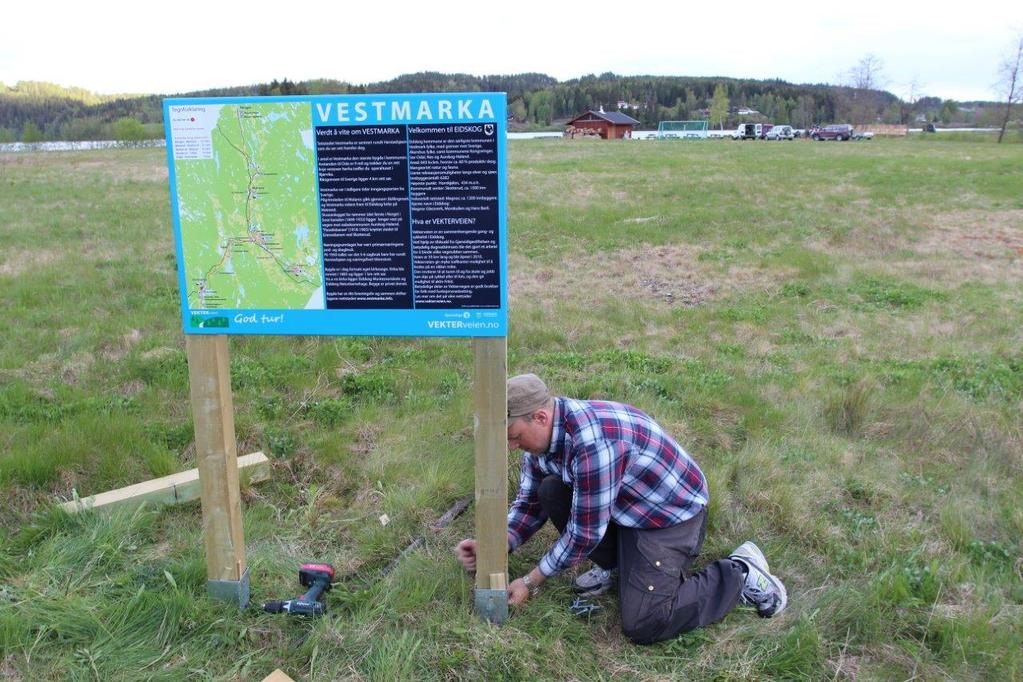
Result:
621,466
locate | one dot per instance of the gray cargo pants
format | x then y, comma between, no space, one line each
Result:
658,598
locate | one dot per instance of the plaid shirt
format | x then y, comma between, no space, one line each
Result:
622,467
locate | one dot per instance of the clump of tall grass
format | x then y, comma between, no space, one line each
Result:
851,409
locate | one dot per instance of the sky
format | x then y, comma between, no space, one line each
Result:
112,47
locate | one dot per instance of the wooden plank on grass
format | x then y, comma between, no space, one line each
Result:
277,676
173,489
490,394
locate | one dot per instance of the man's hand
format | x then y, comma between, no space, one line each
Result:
466,553
518,593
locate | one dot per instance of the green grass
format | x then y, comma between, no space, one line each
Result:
988,137
832,330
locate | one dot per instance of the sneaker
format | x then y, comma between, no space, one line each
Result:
761,589
594,581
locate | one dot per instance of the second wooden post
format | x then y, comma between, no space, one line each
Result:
491,405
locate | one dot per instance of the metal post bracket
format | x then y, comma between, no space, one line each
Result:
235,591
492,605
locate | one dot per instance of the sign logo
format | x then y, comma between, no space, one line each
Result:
488,128
202,322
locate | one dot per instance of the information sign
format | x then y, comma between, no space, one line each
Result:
341,214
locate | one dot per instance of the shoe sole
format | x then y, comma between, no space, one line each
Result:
774,581
592,591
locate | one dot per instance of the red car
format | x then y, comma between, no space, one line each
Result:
837,131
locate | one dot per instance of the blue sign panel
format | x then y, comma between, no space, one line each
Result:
340,215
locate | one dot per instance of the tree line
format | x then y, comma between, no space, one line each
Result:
32,111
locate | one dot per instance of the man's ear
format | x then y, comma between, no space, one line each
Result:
542,416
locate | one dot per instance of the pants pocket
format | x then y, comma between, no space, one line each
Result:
663,555
655,572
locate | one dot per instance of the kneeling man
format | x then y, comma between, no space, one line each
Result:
624,494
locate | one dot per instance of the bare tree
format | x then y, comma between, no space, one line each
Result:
914,89
1010,81
862,102
868,73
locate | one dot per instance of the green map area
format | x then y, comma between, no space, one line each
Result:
248,215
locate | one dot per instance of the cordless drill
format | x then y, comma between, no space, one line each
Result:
317,578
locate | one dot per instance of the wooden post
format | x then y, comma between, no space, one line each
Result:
491,403
217,458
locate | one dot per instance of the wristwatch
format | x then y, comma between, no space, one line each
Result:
533,588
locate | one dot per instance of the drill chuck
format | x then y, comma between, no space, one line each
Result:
295,607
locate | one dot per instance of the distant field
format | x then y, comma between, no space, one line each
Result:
833,330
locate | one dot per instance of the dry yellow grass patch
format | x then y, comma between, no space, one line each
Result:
20,159
15,262
668,275
117,350
143,167
754,338
50,365
77,365
984,246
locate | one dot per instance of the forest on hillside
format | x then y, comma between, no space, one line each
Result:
34,111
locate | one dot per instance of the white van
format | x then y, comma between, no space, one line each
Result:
748,131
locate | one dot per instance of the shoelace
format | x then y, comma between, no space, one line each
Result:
600,575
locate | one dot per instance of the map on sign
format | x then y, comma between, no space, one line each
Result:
247,205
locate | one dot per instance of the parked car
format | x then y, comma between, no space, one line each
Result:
781,132
863,135
835,131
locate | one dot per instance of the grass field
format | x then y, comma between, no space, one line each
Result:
834,331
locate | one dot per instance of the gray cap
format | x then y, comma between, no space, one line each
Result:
527,393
